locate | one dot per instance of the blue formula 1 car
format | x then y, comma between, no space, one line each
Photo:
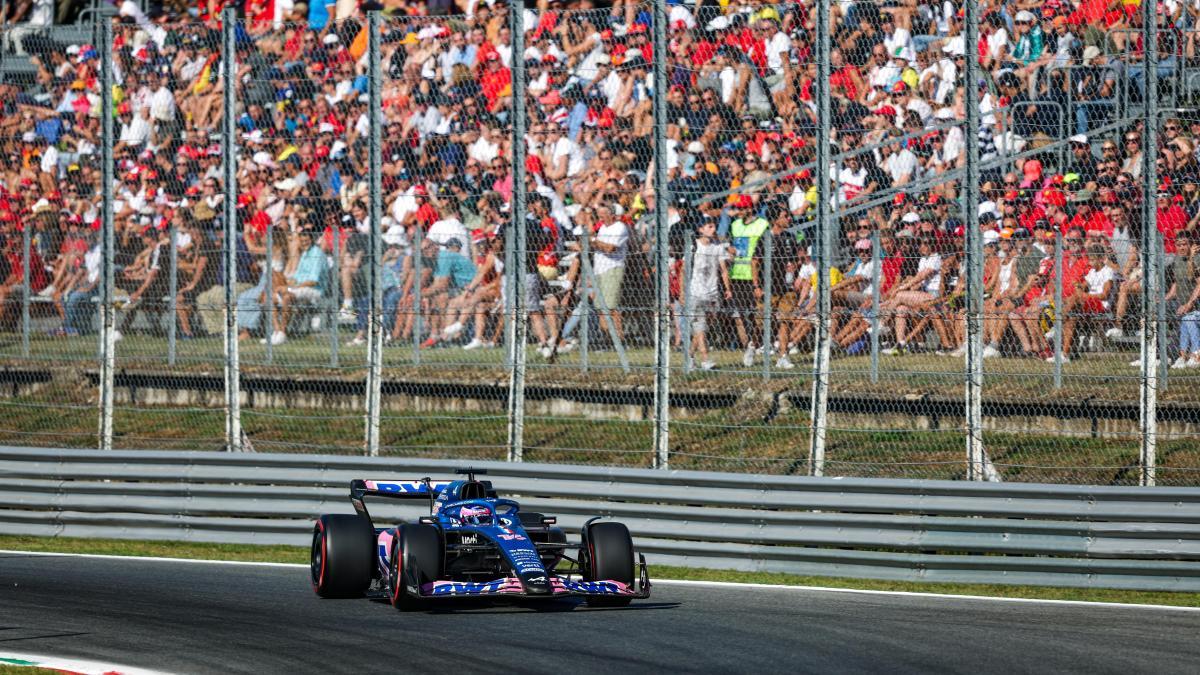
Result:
473,544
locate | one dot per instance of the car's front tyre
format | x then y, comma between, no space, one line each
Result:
416,555
609,558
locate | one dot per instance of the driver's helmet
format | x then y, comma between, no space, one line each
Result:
475,515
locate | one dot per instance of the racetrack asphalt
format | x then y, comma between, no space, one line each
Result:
201,618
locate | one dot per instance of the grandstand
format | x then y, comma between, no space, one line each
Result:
1062,188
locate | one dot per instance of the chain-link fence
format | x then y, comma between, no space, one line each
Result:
837,244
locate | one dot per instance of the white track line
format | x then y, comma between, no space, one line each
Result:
666,582
68,665
199,561
860,591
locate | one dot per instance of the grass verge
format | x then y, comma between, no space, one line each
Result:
295,554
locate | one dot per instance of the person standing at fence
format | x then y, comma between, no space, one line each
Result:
354,277
708,283
1186,292
745,231
783,268
611,245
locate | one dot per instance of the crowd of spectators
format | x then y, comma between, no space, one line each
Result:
741,124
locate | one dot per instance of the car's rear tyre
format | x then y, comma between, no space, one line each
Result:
610,557
417,555
342,555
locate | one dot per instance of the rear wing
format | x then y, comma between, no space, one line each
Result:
424,488
400,489
395,489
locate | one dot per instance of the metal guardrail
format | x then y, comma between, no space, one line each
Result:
1113,537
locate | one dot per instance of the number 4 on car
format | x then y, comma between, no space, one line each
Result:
473,544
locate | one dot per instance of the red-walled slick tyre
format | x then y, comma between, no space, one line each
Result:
609,557
342,555
416,553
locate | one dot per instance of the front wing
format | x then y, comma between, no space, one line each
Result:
512,587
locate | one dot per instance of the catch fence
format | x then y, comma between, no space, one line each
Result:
318,235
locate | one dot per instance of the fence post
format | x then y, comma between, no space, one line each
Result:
172,289
108,308
876,280
1058,307
1148,418
520,317
662,312
233,373
974,254
820,386
375,205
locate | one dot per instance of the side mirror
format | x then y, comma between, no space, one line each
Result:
427,520
549,520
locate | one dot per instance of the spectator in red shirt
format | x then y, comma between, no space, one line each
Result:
1087,217
1171,219
12,241
1075,260
496,82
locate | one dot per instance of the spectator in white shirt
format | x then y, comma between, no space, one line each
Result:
161,100
900,163
135,129
709,283
565,159
610,244
1090,298
895,38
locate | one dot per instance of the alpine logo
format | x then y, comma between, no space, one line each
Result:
496,587
536,580
597,587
